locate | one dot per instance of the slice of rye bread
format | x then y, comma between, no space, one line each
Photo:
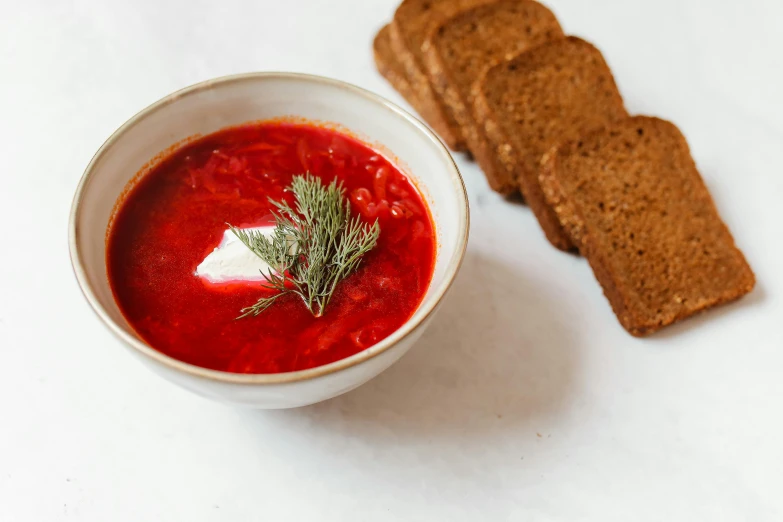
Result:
390,68
412,21
460,49
556,92
632,199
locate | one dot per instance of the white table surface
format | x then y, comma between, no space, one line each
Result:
524,401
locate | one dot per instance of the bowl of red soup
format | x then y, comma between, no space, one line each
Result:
270,240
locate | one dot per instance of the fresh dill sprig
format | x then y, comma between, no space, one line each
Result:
312,248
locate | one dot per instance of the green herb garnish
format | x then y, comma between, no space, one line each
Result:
312,248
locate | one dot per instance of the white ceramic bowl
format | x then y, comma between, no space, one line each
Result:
215,104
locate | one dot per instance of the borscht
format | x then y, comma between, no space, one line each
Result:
270,247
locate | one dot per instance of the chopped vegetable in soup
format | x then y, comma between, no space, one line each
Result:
204,237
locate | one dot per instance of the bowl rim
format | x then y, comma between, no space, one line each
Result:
421,315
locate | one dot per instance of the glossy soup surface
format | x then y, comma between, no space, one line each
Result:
177,214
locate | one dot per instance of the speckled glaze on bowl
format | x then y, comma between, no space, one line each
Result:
223,102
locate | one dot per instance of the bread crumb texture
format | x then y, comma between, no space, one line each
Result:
632,198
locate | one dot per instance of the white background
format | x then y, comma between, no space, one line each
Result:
524,401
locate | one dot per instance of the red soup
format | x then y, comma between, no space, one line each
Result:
177,214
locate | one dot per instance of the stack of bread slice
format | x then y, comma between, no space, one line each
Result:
541,114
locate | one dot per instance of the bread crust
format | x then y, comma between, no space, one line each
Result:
554,92
390,68
458,50
412,21
634,202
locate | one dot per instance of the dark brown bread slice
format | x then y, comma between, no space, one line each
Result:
632,199
461,48
390,68
553,93
412,22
